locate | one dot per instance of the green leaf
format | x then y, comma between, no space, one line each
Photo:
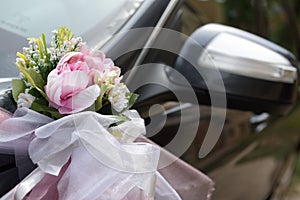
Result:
132,98
34,92
56,115
42,101
40,45
21,55
98,103
18,86
34,78
39,106
44,42
64,34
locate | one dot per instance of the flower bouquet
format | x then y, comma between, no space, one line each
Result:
73,121
75,135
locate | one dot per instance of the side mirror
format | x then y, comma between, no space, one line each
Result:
258,75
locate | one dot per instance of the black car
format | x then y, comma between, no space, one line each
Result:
222,99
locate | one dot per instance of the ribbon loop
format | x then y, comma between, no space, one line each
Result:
116,164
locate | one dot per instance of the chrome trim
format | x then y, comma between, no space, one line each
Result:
153,36
5,83
248,67
4,80
156,31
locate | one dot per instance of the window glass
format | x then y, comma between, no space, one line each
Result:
30,18
96,21
274,20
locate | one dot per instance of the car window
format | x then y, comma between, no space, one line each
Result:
94,20
30,18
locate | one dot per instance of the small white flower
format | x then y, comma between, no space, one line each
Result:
42,61
67,43
117,97
20,61
34,47
25,100
52,58
54,32
25,49
28,56
36,68
78,39
52,43
35,56
30,42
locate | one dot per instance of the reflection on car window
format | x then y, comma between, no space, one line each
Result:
277,21
29,18
94,20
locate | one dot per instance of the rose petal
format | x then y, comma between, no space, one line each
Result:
81,100
53,88
85,50
73,82
96,60
72,57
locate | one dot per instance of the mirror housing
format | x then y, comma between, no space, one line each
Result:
258,75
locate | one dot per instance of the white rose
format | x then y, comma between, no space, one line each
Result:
25,100
117,97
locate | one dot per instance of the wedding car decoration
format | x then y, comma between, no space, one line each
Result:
73,121
67,77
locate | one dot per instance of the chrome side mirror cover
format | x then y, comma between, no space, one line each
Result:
258,75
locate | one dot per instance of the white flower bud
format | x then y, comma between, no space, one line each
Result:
25,100
117,97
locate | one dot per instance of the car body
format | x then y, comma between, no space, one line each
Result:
256,152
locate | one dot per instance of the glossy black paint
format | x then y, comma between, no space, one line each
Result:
147,16
242,92
249,159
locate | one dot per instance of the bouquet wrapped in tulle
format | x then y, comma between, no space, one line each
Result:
74,122
68,78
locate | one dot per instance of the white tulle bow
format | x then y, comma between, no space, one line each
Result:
99,160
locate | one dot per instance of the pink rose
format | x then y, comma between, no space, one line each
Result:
96,60
73,61
69,88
